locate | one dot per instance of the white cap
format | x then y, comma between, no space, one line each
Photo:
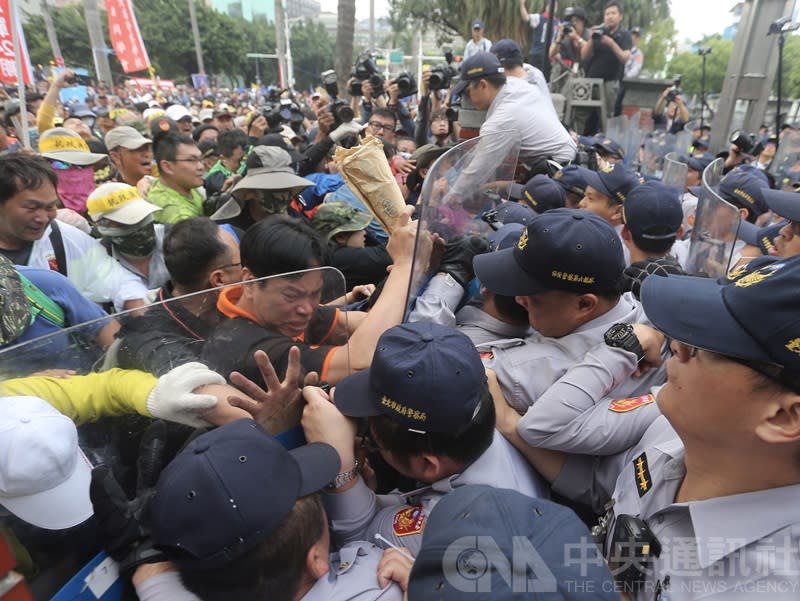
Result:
44,476
206,114
119,202
176,112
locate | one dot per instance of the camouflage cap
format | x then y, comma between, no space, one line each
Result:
338,216
15,312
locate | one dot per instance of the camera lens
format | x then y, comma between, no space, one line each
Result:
345,114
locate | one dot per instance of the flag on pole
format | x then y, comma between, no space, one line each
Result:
126,39
8,69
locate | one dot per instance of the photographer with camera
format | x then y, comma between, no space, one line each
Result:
49,108
671,113
434,125
743,147
572,35
607,51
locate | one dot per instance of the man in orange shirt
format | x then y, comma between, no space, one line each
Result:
277,313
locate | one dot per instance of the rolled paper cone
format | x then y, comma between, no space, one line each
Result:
366,171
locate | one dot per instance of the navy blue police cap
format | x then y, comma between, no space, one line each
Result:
563,249
424,376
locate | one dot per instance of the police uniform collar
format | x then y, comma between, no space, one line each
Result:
620,313
480,471
470,315
734,516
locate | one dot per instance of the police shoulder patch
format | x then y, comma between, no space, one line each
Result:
641,474
629,404
409,520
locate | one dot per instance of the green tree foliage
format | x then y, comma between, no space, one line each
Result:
502,19
638,13
73,38
690,67
260,36
167,35
312,52
657,43
791,75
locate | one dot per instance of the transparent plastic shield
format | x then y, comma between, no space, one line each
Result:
460,187
716,226
156,338
626,132
786,164
656,149
77,348
675,171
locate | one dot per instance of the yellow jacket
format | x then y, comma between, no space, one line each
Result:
88,398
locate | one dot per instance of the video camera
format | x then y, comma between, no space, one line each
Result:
747,143
81,80
272,113
366,69
599,31
341,111
406,84
290,113
675,90
442,75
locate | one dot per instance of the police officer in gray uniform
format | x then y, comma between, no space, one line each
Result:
430,417
705,504
566,270
487,318
240,518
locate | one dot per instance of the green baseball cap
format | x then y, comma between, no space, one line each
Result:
338,216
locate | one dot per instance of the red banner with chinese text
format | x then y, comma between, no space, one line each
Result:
126,39
8,69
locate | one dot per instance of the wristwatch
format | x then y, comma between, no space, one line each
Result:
621,335
343,478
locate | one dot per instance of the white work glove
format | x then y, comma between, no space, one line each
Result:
351,128
172,398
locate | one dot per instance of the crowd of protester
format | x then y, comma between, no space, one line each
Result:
210,365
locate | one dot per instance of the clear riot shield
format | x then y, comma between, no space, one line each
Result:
626,132
716,227
786,163
156,338
460,187
675,171
656,149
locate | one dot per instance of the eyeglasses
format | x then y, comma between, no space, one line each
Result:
772,371
189,160
381,126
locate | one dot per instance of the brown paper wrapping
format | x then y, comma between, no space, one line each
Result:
366,171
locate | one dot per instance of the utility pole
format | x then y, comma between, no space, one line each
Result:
280,36
51,34
198,49
371,24
98,42
289,62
